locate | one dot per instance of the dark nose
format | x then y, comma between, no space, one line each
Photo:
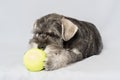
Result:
42,46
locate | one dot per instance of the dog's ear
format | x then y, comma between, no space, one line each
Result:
69,29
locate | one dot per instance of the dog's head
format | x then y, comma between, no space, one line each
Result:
52,29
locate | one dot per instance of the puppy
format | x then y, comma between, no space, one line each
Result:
65,40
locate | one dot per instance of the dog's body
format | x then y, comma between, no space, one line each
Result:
65,40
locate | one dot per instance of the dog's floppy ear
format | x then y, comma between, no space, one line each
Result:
69,29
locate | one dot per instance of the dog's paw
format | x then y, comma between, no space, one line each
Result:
56,58
55,61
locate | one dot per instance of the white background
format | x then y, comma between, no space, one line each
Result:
17,18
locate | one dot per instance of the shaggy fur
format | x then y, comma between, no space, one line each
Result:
65,40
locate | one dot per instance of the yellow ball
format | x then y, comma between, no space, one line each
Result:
34,59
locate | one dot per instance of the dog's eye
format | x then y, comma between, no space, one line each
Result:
43,35
52,35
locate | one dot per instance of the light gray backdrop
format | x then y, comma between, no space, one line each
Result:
17,18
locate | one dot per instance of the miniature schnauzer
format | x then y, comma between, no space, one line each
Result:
65,40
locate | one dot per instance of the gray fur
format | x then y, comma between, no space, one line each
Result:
65,40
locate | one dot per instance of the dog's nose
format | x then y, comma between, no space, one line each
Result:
41,46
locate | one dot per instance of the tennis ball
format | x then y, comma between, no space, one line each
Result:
34,59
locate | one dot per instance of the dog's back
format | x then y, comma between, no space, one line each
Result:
89,40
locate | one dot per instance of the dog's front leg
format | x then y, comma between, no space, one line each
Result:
58,57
